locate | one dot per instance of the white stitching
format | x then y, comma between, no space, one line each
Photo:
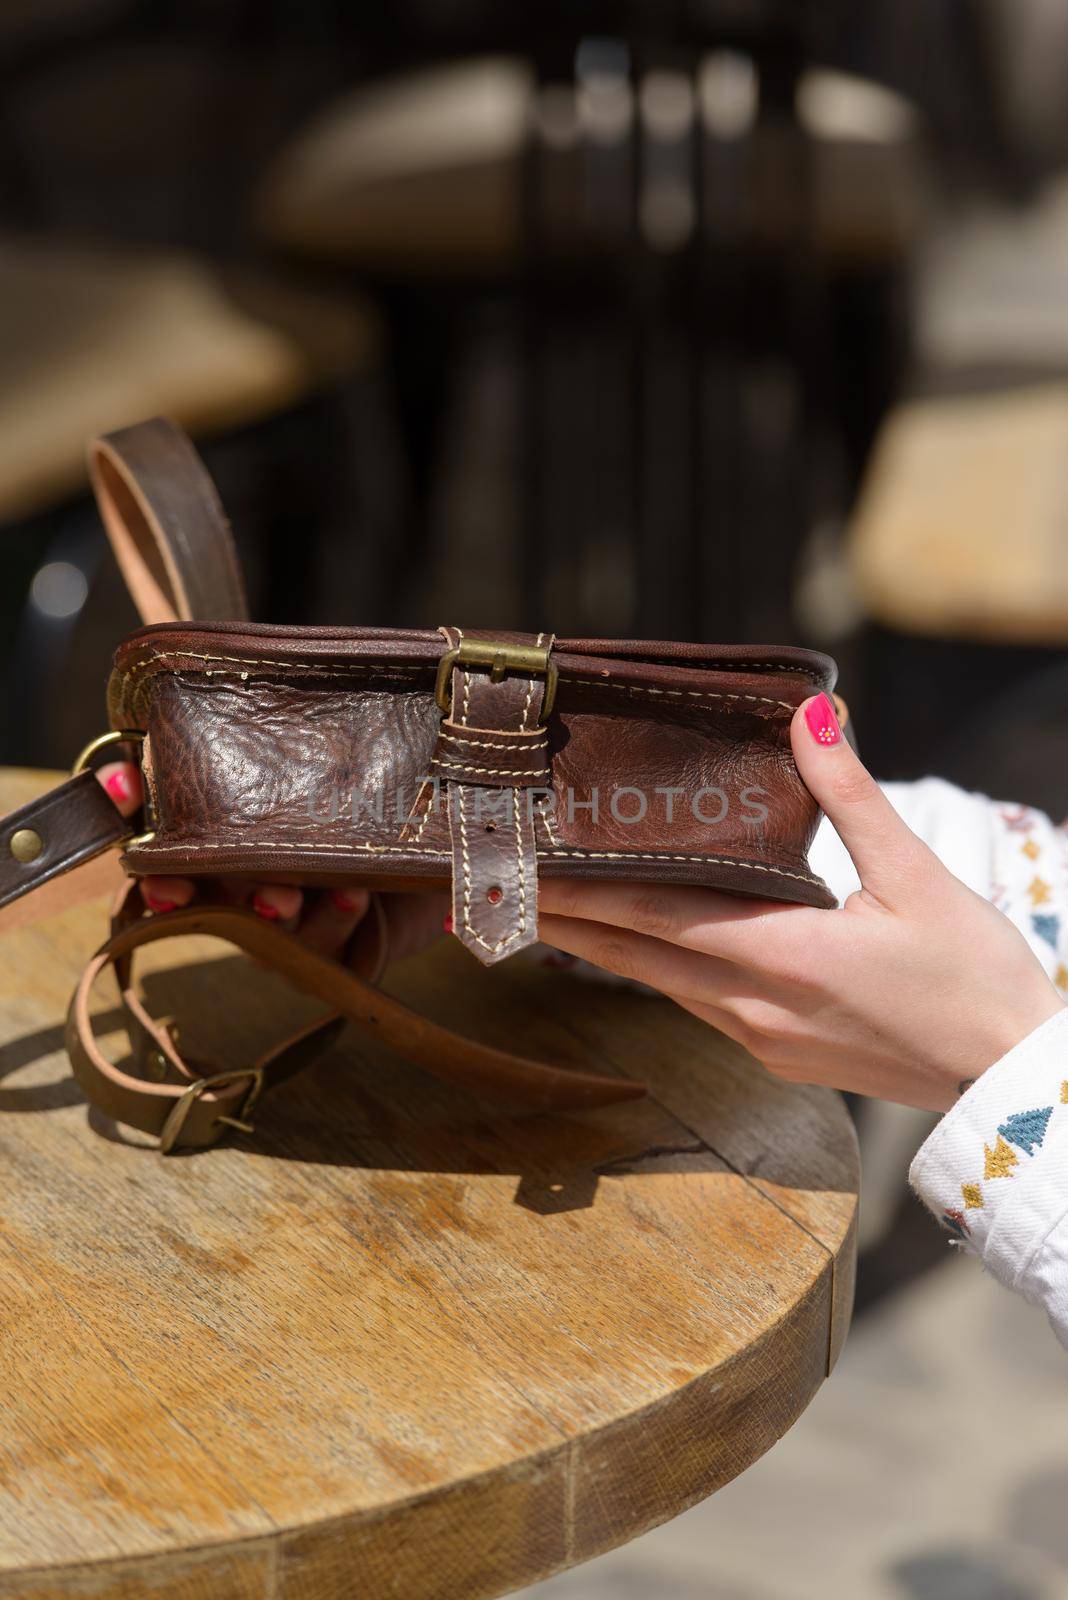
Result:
469,926
493,772
545,812
530,689
426,814
340,669
298,846
530,742
467,685
662,855
385,671
520,863
355,666
693,694
712,663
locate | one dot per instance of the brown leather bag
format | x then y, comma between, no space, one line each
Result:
460,759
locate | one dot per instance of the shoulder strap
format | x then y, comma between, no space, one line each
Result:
188,1106
166,525
174,546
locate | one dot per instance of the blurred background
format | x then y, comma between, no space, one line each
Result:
722,320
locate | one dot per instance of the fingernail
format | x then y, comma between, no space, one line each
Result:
160,905
263,909
821,720
118,786
447,924
346,903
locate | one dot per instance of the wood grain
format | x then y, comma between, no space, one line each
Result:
397,1343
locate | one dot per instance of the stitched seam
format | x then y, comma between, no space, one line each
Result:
317,670
338,669
663,855
429,787
276,663
725,666
426,815
692,694
467,685
530,689
530,742
544,811
469,926
298,846
493,772
520,863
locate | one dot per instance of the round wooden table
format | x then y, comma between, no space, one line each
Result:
397,1343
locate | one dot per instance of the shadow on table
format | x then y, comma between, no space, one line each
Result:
19,1098
362,1106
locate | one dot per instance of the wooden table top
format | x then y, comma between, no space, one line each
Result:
397,1343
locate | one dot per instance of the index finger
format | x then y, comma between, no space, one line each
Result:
693,918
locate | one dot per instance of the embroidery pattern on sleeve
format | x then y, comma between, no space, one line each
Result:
1019,1136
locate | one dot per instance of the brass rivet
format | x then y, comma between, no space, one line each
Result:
156,1065
26,845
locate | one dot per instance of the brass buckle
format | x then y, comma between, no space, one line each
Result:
181,1108
501,656
101,742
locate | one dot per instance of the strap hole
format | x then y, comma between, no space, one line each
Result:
495,895
491,827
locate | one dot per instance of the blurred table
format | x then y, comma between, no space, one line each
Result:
398,1342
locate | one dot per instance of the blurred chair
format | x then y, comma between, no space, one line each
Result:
667,223
282,377
958,546
962,528
95,338
423,175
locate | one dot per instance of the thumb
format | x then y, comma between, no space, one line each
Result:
885,851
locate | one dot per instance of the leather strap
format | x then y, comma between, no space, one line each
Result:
491,751
204,1114
166,525
173,544
58,831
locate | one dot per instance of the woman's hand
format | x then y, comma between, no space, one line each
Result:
323,919
915,986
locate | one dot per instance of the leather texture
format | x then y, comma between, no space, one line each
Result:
303,755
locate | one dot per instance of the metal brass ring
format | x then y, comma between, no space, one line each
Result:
102,741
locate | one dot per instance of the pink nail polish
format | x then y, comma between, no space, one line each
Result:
160,905
821,720
344,903
263,909
118,786
447,924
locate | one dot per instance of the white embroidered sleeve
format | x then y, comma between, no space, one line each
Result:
995,1169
